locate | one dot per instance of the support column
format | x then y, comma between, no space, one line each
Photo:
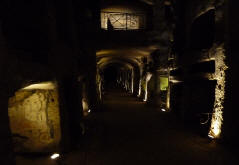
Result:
132,81
159,95
143,73
139,90
154,97
70,111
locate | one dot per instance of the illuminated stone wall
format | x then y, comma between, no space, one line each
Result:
122,21
123,17
201,65
220,76
34,120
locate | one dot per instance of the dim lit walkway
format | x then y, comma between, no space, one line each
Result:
128,132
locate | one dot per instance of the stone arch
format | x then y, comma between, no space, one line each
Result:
130,63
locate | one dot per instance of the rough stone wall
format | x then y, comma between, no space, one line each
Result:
188,11
199,65
199,7
41,46
34,120
162,36
162,27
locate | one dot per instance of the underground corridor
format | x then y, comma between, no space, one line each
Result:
127,131
102,82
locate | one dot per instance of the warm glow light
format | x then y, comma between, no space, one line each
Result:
163,110
43,85
84,104
85,107
105,52
139,93
132,82
100,91
121,20
55,155
34,114
220,76
148,77
175,81
168,95
210,136
163,83
146,94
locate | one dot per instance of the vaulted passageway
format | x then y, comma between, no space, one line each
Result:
102,80
127,131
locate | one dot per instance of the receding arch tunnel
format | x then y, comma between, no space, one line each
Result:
111,72
106,82
124,72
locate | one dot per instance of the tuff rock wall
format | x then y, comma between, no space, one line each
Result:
35,120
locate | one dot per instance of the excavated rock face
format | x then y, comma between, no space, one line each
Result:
35,120
201,56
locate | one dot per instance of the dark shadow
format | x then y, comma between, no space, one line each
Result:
203,31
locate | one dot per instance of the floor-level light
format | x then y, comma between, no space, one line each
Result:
55,156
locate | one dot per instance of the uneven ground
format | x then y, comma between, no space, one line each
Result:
128,132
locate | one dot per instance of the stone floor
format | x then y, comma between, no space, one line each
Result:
128,132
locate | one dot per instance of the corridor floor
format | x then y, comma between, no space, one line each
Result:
129,132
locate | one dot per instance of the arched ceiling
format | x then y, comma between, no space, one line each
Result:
130,62
149,2
114,47
119,64
130,55
127,52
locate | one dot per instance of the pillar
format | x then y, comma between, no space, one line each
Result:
159,95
